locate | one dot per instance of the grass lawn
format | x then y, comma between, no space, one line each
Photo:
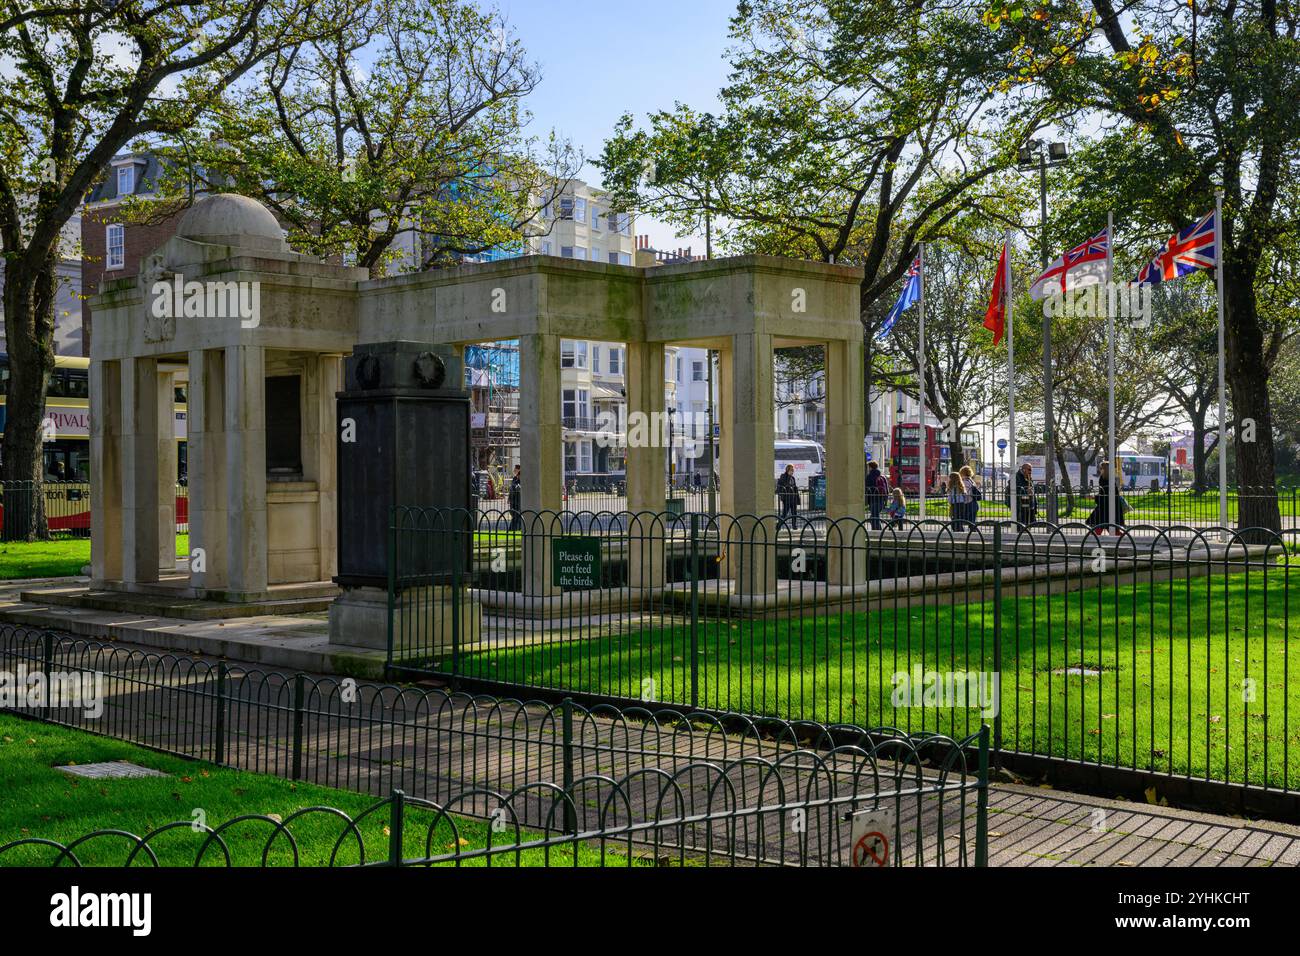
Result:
62,557
40,801
1180,507
1189,676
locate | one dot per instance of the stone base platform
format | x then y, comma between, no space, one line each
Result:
162,601
274,638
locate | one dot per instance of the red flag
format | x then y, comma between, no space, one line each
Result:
995,319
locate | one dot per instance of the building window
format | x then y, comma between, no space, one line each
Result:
697,371
579,252
595,254
566,207
595,359
625,258
615,361
284,426
580,211
576,408
116,245
577,457
595,217
546,247
573,354
566,251
125,180
621,222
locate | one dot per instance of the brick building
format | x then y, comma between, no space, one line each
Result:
110,247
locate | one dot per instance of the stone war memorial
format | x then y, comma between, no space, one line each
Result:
259,335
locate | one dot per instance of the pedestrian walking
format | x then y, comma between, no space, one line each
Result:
959,500
516,498
897,509
1026,495
1104,516
787,492
974,490
877,493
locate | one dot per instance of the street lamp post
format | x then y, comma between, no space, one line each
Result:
1037,155
671,448
896,447
713,457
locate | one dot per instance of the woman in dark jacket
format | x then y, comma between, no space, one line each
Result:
1026,497
787,492
515,498
1103,514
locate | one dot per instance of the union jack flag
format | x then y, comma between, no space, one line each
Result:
1194,248
911,292
1083,265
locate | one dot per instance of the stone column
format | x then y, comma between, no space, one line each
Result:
748,479
105,472
245,408
541,439
208,485
167,471
541,451
322,444
140,531
646,454
845,463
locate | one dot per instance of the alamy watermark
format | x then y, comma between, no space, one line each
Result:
208,300
969,690
76,909
1131,303
619,428
82,690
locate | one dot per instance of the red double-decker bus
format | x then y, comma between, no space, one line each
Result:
905,457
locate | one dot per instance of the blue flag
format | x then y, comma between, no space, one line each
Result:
911,292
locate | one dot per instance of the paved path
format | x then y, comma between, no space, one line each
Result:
736,790
1031,826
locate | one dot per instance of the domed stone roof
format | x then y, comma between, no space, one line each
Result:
232,220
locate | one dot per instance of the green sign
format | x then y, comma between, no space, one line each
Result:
575,563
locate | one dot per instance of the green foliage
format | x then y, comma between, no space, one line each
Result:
403,130
848,132
84,79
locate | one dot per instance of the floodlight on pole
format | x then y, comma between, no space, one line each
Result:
1030,157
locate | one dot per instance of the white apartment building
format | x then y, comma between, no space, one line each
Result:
593,401
691,379
580,224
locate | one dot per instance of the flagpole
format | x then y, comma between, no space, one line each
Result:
1220,234
1011,379
920,366
1110,367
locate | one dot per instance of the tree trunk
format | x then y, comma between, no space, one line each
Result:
1063,479
955,455
1247,373
29,335
1199,455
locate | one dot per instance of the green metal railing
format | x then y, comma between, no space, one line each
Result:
1160,651
722,790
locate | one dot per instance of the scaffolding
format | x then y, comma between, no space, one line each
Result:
492,378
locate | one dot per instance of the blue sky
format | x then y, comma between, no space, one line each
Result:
600,60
